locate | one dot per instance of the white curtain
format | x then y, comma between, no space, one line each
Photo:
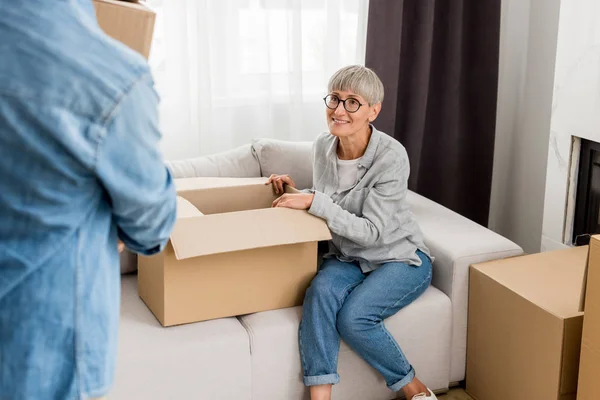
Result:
229,71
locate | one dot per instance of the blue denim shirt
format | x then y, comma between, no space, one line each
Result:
79,168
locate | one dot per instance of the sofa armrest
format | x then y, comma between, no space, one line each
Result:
457,242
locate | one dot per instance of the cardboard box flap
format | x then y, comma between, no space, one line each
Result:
593,259
551,280
201,183
185,209
242,230
570,355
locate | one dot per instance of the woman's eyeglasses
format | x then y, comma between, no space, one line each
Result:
350,104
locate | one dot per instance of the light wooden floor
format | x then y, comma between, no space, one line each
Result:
455,394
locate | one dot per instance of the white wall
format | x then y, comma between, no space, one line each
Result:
575,113
528,41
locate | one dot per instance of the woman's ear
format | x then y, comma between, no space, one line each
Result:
375,109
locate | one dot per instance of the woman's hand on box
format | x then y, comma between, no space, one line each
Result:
120,246
297,201
278,181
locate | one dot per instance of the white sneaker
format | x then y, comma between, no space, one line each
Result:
424,396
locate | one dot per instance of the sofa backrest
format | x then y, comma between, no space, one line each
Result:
283,157
261,158
236,163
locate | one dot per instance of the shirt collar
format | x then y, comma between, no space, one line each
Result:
367,158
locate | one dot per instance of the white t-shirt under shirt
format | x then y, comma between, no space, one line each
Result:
347,175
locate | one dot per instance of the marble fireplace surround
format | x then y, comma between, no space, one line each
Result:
575,114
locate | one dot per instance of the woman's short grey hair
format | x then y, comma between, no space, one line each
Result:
360,80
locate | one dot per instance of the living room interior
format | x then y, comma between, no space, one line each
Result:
495,102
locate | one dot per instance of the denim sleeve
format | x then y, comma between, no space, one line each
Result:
381,202
133,173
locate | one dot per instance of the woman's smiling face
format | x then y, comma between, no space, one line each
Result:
344,123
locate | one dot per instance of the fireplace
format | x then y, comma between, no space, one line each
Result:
586,220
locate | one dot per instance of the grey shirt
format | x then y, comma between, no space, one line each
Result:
370,223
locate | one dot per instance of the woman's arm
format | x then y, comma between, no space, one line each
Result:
382,201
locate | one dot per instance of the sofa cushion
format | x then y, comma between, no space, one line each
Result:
283,157
422,329
236,163
206,360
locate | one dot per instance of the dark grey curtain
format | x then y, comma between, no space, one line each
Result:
438,60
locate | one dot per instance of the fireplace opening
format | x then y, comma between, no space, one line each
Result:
587,202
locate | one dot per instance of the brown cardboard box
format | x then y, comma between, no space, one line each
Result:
524,329
589,367
128,22
234,256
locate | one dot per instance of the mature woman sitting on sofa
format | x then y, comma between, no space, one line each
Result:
377,262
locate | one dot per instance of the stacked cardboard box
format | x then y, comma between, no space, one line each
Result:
128,22
525,327
589,367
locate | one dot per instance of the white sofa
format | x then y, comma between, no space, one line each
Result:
255,357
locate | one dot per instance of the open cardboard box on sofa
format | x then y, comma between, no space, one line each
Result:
230,253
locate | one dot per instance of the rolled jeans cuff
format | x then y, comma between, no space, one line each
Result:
330,379
404,381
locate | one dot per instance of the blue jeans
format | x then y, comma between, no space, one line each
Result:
343,302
